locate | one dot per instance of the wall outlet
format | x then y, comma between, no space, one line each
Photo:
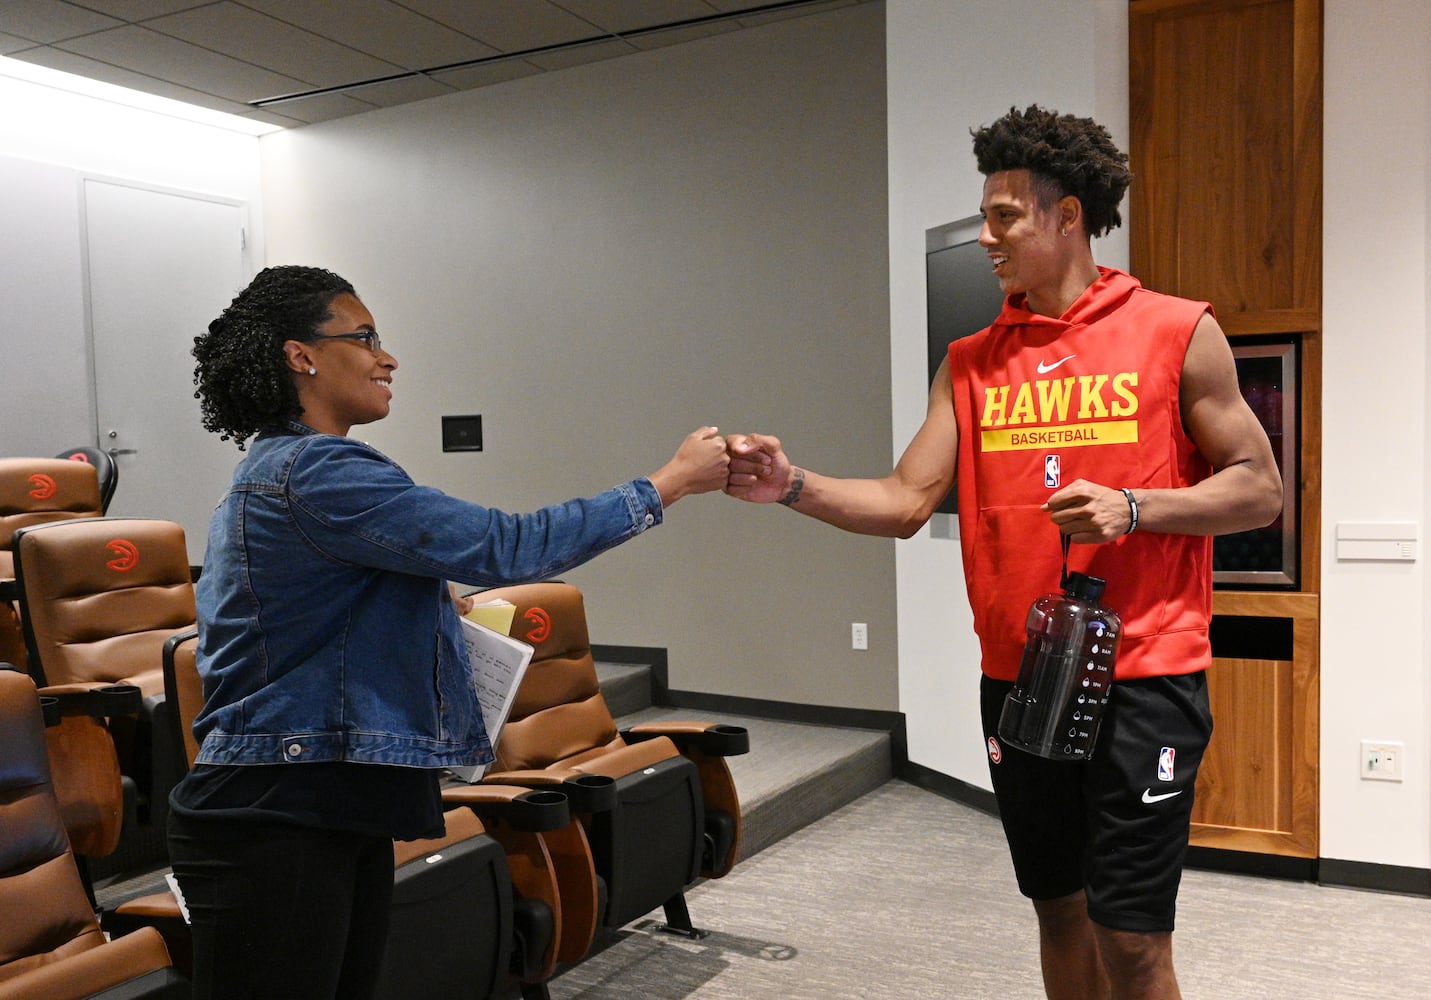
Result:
1381,760
859,635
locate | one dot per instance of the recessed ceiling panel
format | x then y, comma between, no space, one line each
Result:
380,28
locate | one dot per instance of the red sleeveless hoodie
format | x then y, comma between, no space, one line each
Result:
1090,395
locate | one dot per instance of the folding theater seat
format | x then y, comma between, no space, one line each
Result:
671,812
100,596
36,491
50,943
458,926
105,467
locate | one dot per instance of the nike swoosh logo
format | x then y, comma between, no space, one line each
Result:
1150,798
1044,369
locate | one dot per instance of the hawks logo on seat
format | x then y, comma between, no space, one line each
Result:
541,624
44,486
126,555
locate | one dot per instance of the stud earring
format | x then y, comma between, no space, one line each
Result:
314,371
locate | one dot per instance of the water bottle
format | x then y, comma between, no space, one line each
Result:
1066,673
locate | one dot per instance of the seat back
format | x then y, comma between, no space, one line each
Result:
183,690
105,467
41,490
100,596
559,716
37,491
48,917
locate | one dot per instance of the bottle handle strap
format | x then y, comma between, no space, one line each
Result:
1063,543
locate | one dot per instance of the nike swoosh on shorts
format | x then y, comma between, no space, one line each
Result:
1150,798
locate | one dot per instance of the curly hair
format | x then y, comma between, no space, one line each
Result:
1066,156
244,385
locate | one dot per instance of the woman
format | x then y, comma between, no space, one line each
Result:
335,677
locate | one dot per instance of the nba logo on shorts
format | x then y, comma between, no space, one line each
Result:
1052,471
1165,764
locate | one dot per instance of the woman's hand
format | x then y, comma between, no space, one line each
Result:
462,604
699,466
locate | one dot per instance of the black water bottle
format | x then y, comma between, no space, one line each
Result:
1056,704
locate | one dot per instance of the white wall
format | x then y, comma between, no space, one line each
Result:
1376,658
952,67
49,139
602,259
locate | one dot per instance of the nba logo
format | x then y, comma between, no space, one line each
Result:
1165,764
1052,471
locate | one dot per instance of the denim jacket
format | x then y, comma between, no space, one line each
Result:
325,628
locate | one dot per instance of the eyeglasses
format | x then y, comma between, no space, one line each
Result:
369,338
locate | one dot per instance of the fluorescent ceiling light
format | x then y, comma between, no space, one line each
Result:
99,90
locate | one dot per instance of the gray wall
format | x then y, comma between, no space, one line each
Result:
602,259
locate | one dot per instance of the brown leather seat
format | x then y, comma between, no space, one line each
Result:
99,598
36,491
676,814
50,944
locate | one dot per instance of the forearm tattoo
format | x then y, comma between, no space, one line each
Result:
797,485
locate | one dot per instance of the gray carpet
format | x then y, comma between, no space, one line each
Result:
903,894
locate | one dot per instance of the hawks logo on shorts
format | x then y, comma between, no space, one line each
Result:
996,752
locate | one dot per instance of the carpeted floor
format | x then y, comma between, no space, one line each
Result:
903,894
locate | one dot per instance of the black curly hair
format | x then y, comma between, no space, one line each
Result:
242,374
1066,156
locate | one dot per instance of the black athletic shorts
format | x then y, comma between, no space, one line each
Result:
1115,825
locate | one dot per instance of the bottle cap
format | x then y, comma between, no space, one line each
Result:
1085,588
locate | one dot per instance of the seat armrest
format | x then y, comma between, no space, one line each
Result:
713,738
526,809
588,793
91,973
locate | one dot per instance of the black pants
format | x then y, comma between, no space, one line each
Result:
283,911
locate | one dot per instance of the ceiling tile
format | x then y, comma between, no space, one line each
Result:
321,108
486,74
135,11
50,20
12,43
580,55
391,93
802,10
507,25
660,39
263,41
380,28
631,15
165,58
69,62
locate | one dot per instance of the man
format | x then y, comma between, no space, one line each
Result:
1109,414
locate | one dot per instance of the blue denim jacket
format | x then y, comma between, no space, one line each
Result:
325,629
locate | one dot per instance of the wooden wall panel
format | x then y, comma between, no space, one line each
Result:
1225,115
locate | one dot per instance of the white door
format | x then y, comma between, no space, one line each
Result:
161,265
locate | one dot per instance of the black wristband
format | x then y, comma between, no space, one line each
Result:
1132,511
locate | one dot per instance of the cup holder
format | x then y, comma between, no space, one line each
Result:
539,811
591,792
117,699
